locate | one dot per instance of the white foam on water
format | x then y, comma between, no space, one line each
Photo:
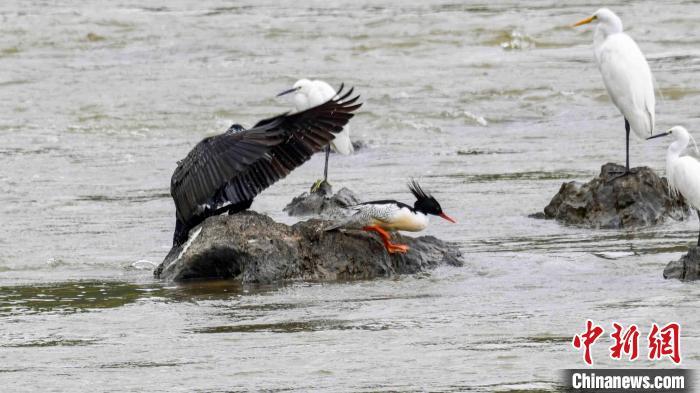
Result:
143,264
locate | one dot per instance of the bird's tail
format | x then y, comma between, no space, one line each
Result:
334,226
341,143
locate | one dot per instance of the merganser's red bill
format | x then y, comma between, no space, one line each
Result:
448,218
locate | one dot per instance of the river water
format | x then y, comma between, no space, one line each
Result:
492,105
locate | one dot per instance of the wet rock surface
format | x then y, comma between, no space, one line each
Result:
639,199
322,203
687,268
253,248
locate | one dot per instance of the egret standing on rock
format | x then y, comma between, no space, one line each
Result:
308,94
683,173
225,172
626,75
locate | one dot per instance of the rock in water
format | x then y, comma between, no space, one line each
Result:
687,268
641,198
323,203
253,248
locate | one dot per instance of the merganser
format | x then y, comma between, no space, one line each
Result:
308,94
390,215
682,172
223,173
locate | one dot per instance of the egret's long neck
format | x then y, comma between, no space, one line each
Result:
598,38
610,26
676,148
301,102
672,154
602,32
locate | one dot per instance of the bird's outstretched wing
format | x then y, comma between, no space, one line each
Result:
247,162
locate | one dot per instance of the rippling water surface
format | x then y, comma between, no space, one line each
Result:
492,104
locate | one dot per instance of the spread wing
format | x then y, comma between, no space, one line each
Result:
249,161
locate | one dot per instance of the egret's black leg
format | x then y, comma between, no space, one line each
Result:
627,144
627,155
322,185
698,211
325,168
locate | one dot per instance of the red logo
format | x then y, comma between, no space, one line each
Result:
662,341
587,339
627,343
665,342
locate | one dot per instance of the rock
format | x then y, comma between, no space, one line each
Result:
687,268
639,199
323,203
253,248
358,145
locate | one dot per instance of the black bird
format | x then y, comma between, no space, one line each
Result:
223,173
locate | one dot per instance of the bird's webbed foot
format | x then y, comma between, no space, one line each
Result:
614,175
321,186
394,248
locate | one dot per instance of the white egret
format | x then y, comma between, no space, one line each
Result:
626,75
311,93
682,172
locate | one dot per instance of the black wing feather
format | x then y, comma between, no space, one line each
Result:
239,165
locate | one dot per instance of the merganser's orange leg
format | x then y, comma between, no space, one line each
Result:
391,248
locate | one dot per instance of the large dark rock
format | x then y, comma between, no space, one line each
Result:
253,248
639,199
687,268
322,203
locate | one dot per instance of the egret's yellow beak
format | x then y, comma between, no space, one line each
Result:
584,21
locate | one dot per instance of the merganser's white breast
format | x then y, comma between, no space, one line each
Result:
393,217
406,220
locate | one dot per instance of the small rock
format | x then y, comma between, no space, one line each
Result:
687,268
253,248
323,203
92,37
358,145
639,199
